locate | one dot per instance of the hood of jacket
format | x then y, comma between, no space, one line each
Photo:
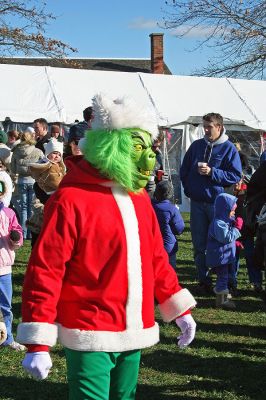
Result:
223,205
221,139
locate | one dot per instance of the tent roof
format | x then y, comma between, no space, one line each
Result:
59,94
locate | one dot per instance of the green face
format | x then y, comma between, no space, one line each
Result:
143,157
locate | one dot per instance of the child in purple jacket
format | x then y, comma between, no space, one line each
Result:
11,238
169,218
223,232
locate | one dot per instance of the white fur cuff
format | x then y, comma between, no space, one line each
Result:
37,333
176,305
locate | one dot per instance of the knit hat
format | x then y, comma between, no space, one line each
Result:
3,137
77,131
53,145
30,129
164,191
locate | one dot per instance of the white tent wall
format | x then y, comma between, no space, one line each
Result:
60,94
28,93
179,97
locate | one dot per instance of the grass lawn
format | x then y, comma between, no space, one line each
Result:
226,360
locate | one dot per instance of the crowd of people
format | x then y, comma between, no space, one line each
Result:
228,214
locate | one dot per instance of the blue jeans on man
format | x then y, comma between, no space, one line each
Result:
254,274
201,215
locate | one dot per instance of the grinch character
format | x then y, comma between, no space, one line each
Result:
100,262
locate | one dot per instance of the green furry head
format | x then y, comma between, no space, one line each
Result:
110,152
123,155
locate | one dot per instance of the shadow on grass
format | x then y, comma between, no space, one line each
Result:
29,389
251,331
212,371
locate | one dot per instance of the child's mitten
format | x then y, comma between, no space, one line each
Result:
238,223
14,236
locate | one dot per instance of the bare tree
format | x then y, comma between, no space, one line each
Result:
236,29
22,30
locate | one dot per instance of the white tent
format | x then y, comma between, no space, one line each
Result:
60,94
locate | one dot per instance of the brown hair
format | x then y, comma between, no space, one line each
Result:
15,134
216,118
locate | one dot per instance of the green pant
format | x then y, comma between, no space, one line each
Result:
101,375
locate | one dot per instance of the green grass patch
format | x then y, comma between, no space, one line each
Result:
226,360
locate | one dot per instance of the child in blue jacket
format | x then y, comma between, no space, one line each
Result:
223,232
170,220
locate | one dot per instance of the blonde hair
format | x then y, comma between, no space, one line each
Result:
27,137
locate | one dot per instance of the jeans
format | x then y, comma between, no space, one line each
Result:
26,194
5,304
254,274
172,260
222,272
201,215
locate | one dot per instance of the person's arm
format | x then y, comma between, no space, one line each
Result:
225,232
177,224
231,172
15,230
44,277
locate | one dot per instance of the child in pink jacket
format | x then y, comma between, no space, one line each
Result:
11,238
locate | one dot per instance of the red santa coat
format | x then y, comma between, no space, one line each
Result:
96,269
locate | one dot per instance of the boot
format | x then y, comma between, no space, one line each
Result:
223,300
228,304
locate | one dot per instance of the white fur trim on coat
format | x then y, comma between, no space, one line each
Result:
127,340
37,333
134,272
176,305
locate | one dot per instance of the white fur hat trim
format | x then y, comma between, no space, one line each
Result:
6,197
121,113
53,145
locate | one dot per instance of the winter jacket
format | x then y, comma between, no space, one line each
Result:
92,278
5,154
225,166
171,223
222,234
8,222
48,175
23,155
40,142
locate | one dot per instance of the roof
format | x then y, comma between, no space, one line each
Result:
100,64
60,94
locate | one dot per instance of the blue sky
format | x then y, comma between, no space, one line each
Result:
120,29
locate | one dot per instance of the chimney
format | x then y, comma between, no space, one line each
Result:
157,63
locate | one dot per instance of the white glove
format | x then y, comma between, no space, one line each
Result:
37,364
3,333
188,330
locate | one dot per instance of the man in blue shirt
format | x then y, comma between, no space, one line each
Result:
210,165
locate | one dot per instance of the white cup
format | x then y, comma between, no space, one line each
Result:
202,164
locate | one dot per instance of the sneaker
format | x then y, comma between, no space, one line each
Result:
17,346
